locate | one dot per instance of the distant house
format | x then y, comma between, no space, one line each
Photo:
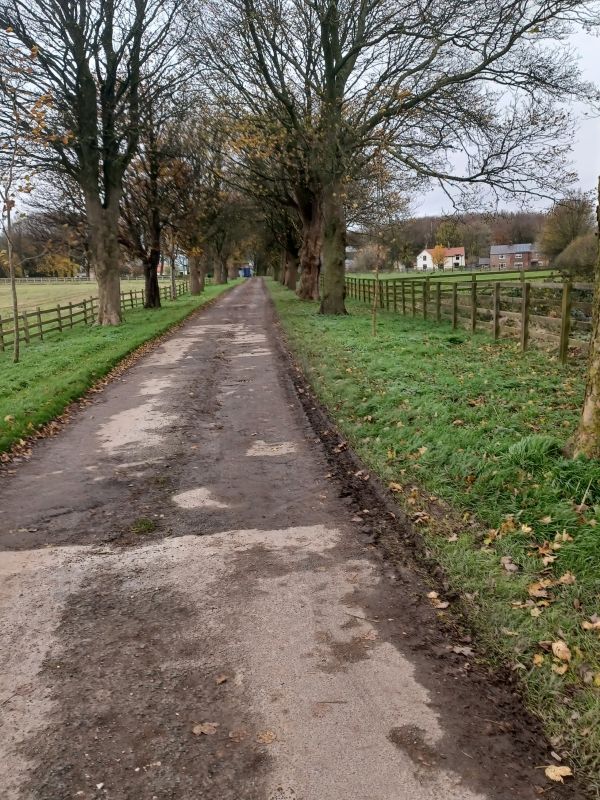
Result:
514,256
454,258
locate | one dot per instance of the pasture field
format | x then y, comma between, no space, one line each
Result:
47,295
470,435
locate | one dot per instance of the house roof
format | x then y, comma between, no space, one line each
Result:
509,249
448,251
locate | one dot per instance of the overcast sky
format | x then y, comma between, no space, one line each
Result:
586,145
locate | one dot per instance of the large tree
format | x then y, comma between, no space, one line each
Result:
101,62
432,84
569,218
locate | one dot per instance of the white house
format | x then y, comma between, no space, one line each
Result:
454,258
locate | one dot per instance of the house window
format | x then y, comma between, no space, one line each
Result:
519,256
424,258
501,258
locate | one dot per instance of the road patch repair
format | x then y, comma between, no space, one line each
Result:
191,608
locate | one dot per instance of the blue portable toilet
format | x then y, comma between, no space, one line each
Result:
247,272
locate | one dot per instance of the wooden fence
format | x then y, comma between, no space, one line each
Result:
553,315
37,324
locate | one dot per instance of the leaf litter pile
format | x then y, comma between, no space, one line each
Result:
470,437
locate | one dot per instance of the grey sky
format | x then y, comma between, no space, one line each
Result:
586,144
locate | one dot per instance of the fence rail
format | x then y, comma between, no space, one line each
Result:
552,315
37,324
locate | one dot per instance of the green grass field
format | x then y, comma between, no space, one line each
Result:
481,427
448,276
60,369
47,295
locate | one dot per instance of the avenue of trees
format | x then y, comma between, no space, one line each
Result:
265,127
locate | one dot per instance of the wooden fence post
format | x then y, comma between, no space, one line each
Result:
1,334
70,314
387,295
395,297
413,299
380,289
525,315
473,304
25,326
403,288
565,322
131,297
454,305
85,322
438,302
39,322
425,297
496,311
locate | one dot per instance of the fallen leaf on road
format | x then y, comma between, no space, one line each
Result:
238,735
462,650
557,772
206,728
561,650
266,737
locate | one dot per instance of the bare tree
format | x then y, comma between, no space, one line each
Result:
91,57
431,84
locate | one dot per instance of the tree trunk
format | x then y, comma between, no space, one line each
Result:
291,269
105,257
334,252
196,275
173,279
279,268
310,252
232,272
221,271
587,441
152,293
13,281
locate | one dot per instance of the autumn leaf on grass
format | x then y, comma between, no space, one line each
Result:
568,579
266,737
560,669
206,728
538,660
561,650
540,588
593,624
395,487
509,564
557,772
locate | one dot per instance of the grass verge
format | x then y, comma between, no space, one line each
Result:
53,373
469,434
